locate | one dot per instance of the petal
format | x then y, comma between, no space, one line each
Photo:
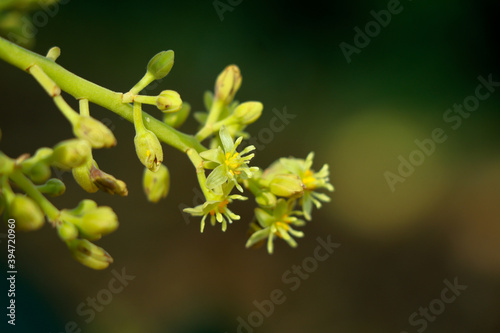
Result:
237,143
264,218
202,226
257,237
270,246
307,206
211,155
247,150
309,161
216,177
225,138
292,165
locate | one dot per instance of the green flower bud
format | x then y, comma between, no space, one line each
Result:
156,184
95,132
89,254
266,199
39,172
248,112
178,118
27,213
93,222
37,167
84,206
169,101
67,231
53,187
161,64
81,175
227,84
97,222
71,153
287,186
107,183
148,149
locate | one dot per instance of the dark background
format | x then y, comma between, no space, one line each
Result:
397,247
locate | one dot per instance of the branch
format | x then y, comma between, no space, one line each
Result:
80,88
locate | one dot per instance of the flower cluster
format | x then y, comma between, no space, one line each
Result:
283,192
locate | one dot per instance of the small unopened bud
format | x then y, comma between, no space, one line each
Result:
227,84
178,118
156,184
107,183
89,254
67,231
37,166
266,199
39,172
287,186
248,112
27,213
84,206
71,153
53,187
81,175
95,132
97,222
148,149
161,64
169,101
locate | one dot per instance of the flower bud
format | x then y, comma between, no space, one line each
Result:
286,185
27,213
178,118
71,153
248,112
161,64
169,101
67,231
53,187
81,175
107,183
97,222
148,149
89,254
84,206
156,184
227,84
37,167
95,132
39,172
266,199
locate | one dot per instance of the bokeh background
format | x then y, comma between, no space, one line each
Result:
397,247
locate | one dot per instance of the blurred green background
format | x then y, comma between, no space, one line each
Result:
397,247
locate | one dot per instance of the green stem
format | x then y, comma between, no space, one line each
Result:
200,171
81,88
138,123
213,116
30,189
205,132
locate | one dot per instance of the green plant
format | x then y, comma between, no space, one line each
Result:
284,192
